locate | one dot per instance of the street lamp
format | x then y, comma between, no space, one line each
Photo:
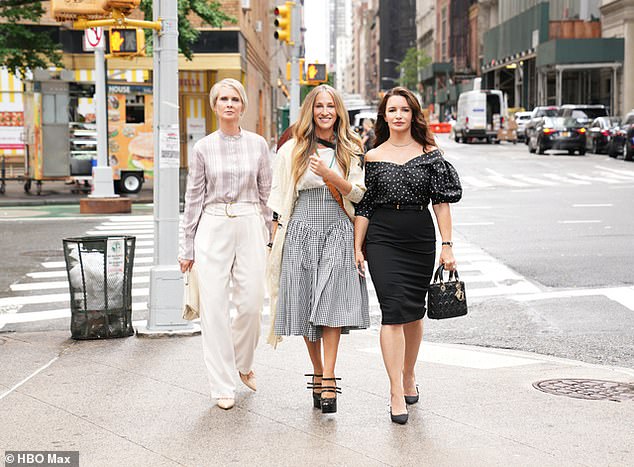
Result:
402,70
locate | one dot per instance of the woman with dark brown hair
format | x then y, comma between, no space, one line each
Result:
404,172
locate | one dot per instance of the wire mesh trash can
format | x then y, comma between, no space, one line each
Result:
100,280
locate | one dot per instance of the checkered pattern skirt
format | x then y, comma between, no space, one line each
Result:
319,283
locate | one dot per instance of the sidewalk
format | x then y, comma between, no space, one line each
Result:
145,402
56,192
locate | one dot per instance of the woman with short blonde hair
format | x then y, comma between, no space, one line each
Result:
315,289
225,224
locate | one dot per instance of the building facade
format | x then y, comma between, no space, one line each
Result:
240,51
397,33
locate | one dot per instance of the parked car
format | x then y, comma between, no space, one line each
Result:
627,127
605,136
558,133
522,118
536,116
584,113
480,114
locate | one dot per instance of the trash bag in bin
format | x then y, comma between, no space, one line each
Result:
100,280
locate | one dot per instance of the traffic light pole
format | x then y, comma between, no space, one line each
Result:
102,173
295,55
166,281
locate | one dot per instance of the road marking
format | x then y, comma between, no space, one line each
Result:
629,173
53,298
476,182
606,205
559,178
119,233
464,224
31,286
53,274
580,222
616,176
507,181
62,264
452,355
622,295
471,207
537,181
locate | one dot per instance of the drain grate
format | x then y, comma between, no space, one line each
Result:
590,389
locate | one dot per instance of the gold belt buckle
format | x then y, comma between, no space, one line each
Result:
227,213
398,206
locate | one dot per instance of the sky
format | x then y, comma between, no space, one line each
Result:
316,38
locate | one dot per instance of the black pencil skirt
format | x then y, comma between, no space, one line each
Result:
401,250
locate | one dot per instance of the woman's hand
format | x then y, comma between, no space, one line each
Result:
185,264
319,167
359,261
447,259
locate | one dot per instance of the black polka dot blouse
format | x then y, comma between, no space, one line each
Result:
425,178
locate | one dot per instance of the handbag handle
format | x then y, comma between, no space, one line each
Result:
438,276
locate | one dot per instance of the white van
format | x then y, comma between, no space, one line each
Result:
481,113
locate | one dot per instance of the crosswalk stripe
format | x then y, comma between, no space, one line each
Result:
118,232
475,181
52,298
617,176
507,181
629,173
62,264
566,180
589,179
526,178
51,285
53,274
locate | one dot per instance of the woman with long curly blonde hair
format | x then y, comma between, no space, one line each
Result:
316,290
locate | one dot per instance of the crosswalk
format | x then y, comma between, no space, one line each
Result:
598,175
43,295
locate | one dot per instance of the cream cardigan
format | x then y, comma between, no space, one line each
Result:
282,201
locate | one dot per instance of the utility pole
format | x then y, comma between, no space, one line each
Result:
102,173
166,283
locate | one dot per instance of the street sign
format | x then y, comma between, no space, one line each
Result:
93,39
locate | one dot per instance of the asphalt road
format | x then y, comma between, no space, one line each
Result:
566,224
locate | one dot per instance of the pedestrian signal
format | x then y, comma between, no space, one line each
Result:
316,73
127,42
283,22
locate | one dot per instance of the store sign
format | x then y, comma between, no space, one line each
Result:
128,89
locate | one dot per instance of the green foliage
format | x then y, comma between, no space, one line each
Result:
208,10
21,47
413,61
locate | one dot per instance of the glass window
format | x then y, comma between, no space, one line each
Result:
135,109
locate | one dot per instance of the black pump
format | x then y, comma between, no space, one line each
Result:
316,395
329,404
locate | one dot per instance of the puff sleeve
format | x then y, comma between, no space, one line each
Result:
445,183
367,204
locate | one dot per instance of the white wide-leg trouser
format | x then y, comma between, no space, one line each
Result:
230,255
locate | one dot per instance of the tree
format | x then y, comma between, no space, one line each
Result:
208,10
22,47
413,61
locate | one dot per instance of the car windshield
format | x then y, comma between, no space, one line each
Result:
589,114
522,117
614,121
560,122
547,112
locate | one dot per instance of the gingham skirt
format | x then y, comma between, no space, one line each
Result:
319,284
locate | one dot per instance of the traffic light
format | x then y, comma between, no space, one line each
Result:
283,22
127,42
316,73
64,10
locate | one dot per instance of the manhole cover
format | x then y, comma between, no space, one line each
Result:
44,253
591,389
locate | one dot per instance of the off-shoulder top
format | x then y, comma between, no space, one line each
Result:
425,178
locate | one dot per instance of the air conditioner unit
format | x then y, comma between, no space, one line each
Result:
246,4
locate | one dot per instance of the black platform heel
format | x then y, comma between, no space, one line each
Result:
329,404
316,395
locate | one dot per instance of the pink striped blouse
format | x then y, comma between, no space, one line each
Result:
225,169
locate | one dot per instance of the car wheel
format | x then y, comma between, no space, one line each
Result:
628,153
571,152
540,147
531,149
130,183
582,151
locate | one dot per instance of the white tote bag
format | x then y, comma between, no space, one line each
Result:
191,308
